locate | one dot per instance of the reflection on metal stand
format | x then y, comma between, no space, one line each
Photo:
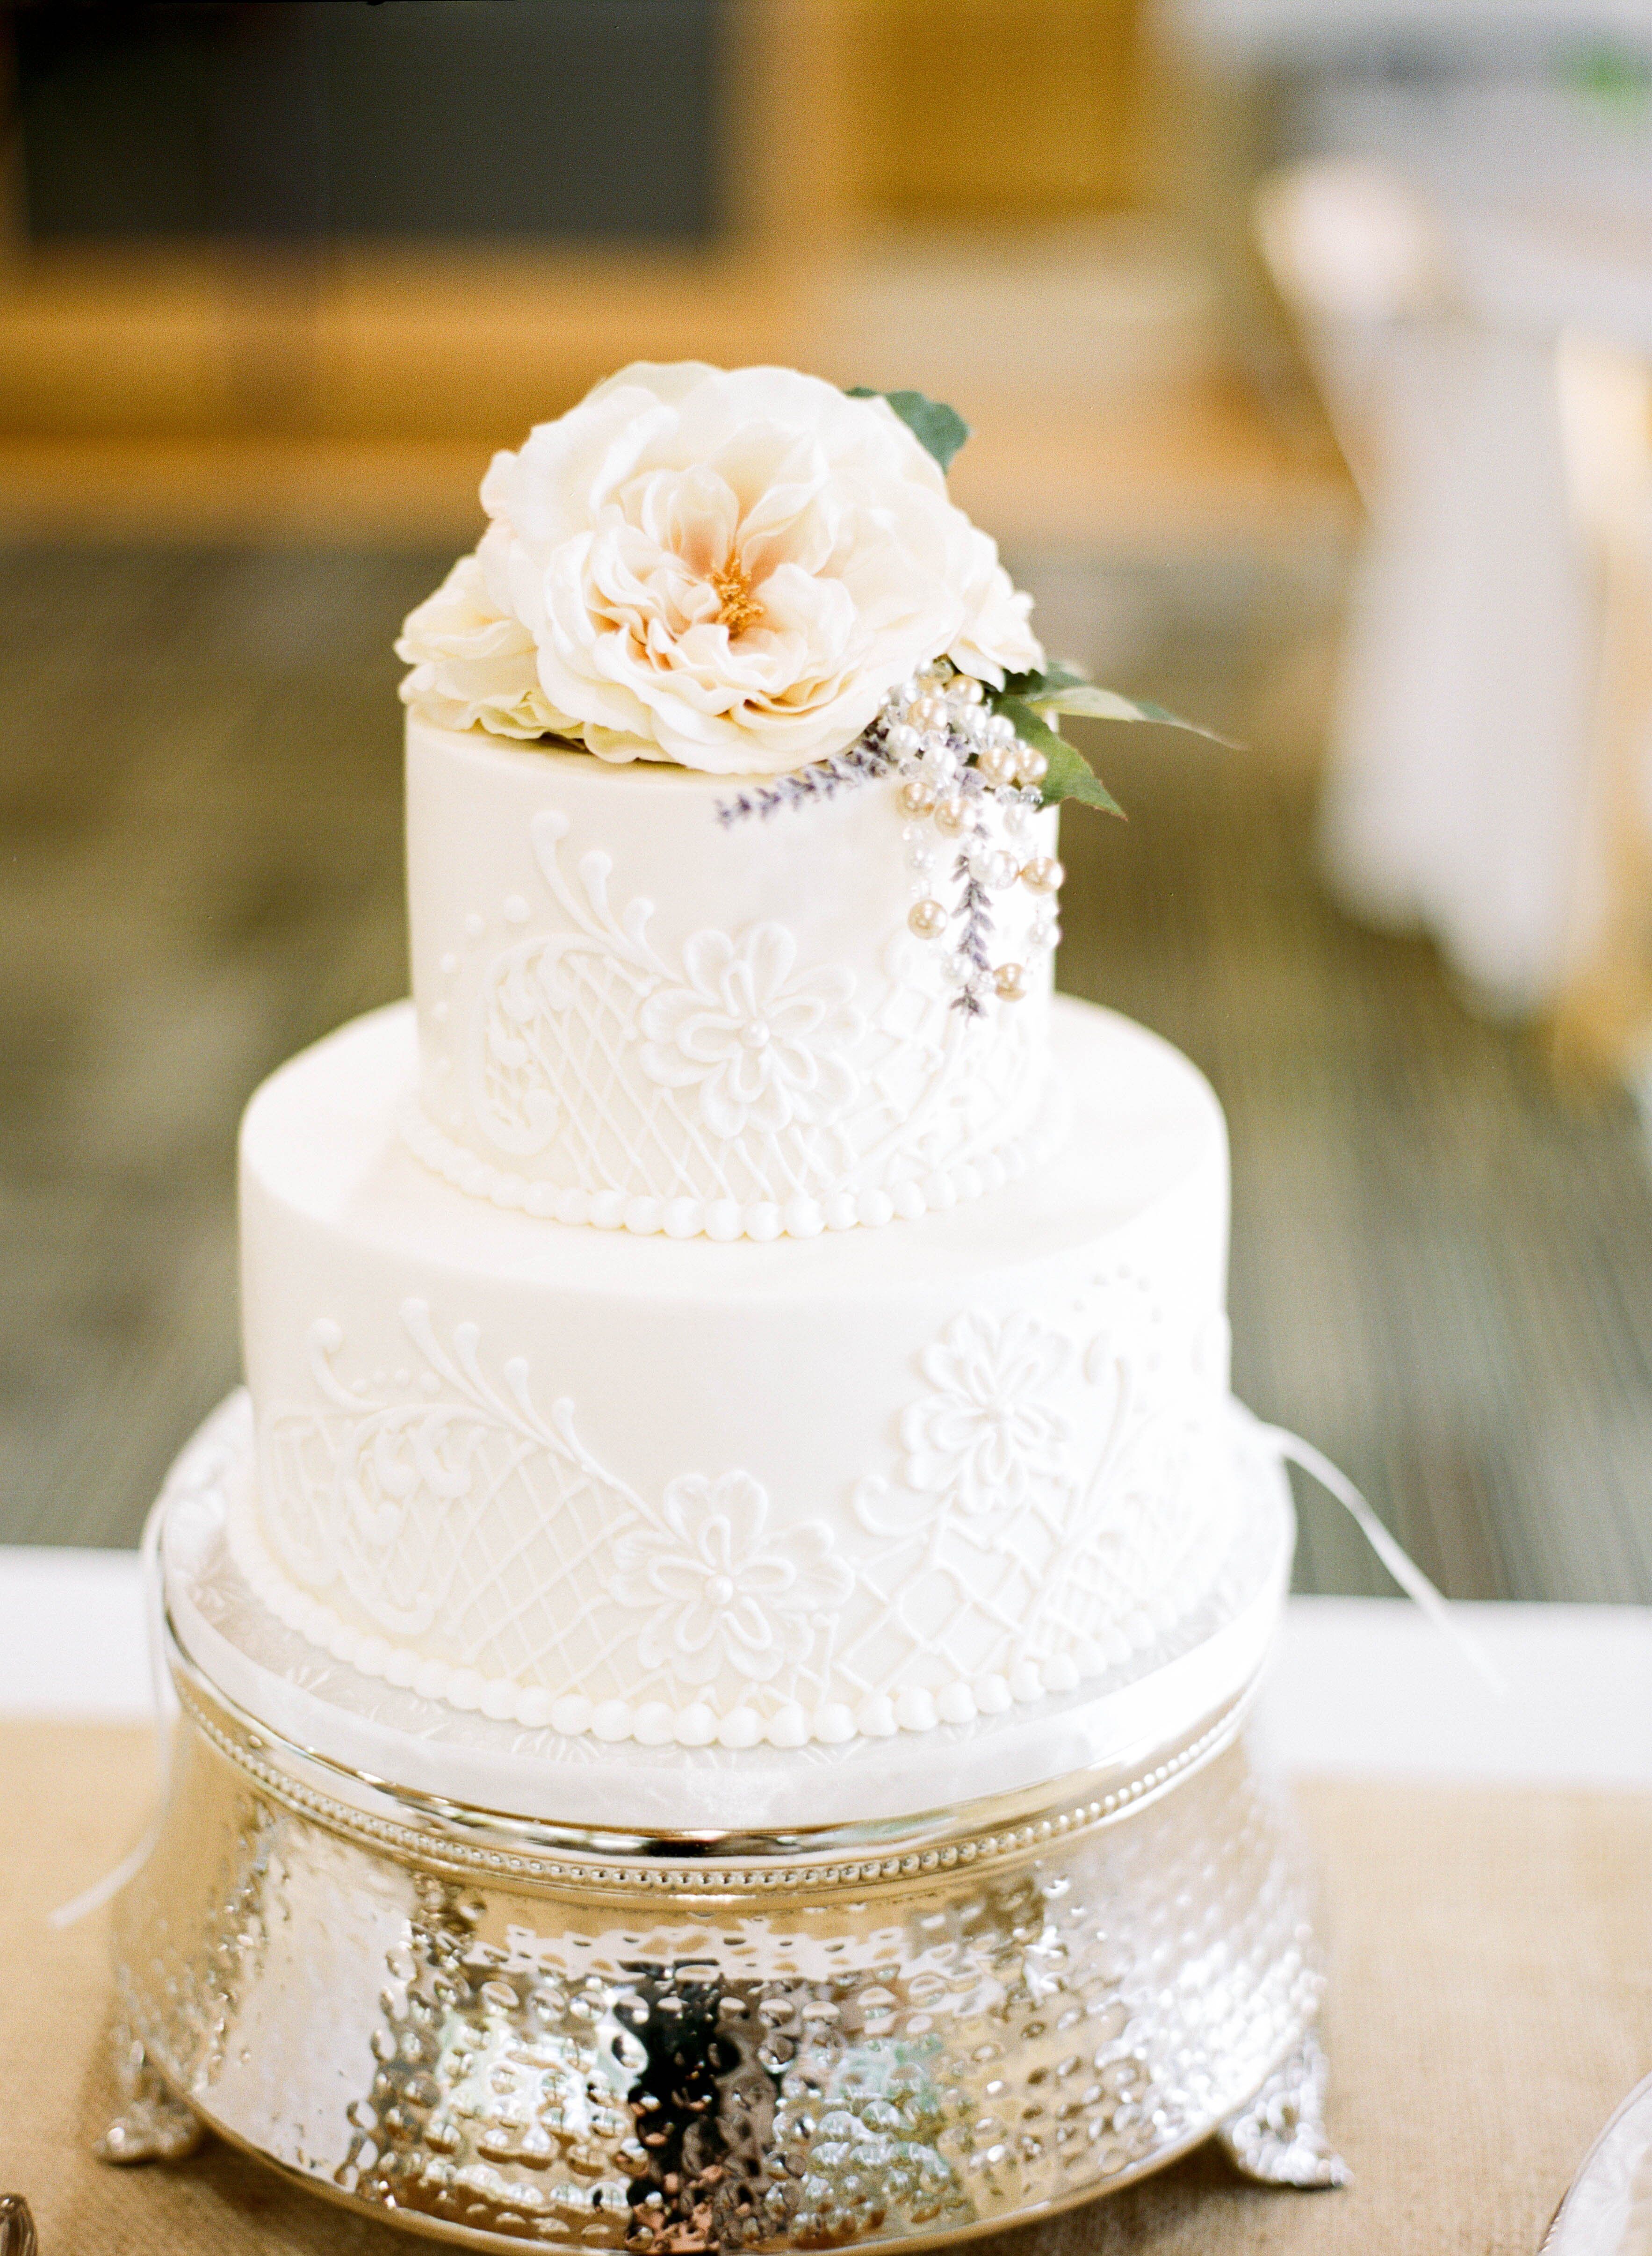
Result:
17,2227
448,2017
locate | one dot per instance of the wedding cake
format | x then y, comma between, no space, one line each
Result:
713,1651
735,1304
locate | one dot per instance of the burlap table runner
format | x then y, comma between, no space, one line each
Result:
1492,1964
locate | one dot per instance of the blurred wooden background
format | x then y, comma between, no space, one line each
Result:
901,192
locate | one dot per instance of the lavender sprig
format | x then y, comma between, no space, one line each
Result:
865,760
974,907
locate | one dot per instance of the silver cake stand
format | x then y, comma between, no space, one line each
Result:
505,2029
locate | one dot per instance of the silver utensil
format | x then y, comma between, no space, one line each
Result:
1607,2210
17,2227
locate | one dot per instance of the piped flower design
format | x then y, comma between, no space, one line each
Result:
765,1048
989,1431
725,1589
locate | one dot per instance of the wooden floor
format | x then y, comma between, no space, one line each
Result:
1442,1269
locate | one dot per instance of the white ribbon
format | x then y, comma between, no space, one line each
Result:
1446,1618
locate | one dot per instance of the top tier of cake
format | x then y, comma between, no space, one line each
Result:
636,1014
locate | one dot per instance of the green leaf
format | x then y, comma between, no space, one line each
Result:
1090,703
941,430
1070,775
1036,686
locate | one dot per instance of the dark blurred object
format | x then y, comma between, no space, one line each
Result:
296,120
17,2227
423,224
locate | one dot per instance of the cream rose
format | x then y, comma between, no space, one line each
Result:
730,570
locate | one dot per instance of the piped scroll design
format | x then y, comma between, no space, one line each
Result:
731,1071
447,1501
1061,1498
593,1036
722,1587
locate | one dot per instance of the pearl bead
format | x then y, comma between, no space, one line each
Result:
1002,729
1009,984
1031,766
904,740
917,798
997,764
954,816
927,919
1000,870
966,687
930,712
1042,874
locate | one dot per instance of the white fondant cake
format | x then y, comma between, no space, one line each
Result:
733,1305
632,1014
774,1493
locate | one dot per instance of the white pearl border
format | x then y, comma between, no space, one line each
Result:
655,1723
726,1220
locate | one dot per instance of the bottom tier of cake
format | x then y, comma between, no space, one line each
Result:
273,1674
817,1489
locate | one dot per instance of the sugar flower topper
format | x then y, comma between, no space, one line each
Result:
740,571
727,569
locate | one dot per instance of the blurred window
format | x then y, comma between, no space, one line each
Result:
300,119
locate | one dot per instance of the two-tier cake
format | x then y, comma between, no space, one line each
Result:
734,1359
601,1378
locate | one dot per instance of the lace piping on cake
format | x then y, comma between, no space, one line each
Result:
698,1725
720,1086
727,1219
442,1498
653,1722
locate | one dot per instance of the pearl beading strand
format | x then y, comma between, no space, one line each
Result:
967,777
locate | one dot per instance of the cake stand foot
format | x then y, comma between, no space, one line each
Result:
1280,2138
151,2126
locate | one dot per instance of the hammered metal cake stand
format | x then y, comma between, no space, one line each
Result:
502,2030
